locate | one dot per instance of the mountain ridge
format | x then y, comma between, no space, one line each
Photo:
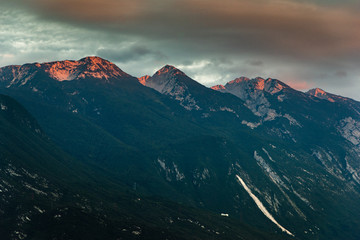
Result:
97,67
297,155
67,70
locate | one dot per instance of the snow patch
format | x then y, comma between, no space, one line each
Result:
37,191
250,124
301,198
350,130
281,98
205,174
271,173
3,107
277,180
268,155
262,207
292,120
20,235
354,173
39,209
179,176
226,109
329,162
13,173
171,173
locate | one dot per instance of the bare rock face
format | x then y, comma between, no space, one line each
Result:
89,67
170,81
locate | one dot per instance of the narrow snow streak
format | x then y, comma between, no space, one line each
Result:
261,207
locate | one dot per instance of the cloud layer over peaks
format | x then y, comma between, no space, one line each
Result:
317,42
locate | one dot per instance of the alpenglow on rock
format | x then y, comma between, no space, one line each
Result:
89,67
242,87
173,82
319,93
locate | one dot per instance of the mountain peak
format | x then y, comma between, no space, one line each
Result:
239,80
169,69
269,85
97,61
319,93
67,70
93,59
316,92
88,67
143,79
218,87
172,82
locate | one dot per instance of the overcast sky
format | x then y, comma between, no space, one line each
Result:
304,43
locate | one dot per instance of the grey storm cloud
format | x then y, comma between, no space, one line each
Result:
256,63
275,27
127,54
305,43
341,74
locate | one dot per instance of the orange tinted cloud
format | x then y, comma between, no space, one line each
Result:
299,85
299,28
274,26
306,39
90,10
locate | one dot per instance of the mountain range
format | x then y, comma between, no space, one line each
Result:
91,152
